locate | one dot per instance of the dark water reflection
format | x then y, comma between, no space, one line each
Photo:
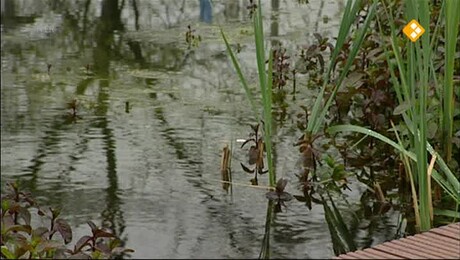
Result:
149,172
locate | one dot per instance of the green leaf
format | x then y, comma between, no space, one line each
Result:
447,213
7,253
237,67
401,108
5,205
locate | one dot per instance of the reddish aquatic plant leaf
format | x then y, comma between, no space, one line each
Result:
24,214
121,250
261,171
246,169
285,196
40,212
318,37
60,253
247,141
271,195
55,212
102,233
80,255
46,245
20,228
82,242
14,208
103,248
253,155
255,128
64,229
39,232
280,185
300,198
92,226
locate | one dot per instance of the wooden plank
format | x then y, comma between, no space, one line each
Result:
431,242
381,255
437,243
367,255
446,240
428,252
385,248
445,233
423,244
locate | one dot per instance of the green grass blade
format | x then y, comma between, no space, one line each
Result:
268,121
265,88
342,227
237,67
265,250
423,62
451,32
345,25
447,213
451,184
363,130
351,57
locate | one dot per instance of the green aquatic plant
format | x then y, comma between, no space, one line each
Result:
412,74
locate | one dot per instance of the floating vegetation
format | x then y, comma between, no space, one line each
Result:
148,74
89,69
72,106
128,107
252,8
191,38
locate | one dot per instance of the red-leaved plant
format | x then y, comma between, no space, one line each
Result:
20,240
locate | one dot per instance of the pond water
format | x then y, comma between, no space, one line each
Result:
143,157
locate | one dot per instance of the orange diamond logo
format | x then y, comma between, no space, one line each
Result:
413,30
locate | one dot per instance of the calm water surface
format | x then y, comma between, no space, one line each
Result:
144,156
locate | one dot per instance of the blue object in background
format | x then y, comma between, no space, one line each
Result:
205,11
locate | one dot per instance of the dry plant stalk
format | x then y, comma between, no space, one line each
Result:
225,168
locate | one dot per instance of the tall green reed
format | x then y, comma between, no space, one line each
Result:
416,73
451,32
265,84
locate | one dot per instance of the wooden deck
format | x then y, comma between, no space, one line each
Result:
438,243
